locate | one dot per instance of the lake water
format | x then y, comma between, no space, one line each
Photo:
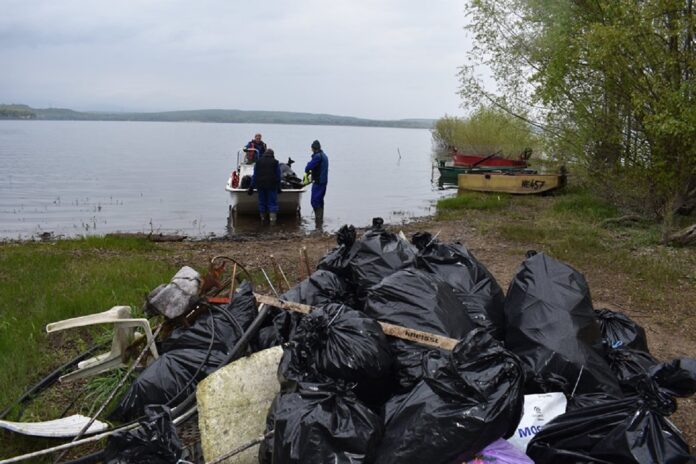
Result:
74,178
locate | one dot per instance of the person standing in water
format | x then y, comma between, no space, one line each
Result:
318,167
266,180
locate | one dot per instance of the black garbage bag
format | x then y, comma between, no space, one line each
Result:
288,178
189,355
155,441
320,423
619,330
677,377
471,281
376,255
467,400
551,326
338,259
345,344
320,288
628,364
585,400
630,430
417,300
367,261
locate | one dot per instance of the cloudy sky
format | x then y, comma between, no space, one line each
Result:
386,59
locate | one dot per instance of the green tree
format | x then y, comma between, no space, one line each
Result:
611,82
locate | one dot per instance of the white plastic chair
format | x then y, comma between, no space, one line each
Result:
124,334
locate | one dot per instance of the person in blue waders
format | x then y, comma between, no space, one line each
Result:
318,167
266,180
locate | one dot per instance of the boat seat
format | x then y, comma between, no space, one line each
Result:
124,335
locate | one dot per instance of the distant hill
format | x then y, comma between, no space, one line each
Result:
229,116
16,112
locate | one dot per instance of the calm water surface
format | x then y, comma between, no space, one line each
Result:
90,178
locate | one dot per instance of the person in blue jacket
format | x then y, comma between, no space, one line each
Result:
266,180
255,148
318,166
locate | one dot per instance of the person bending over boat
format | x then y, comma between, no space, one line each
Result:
266,180
255,148
318,166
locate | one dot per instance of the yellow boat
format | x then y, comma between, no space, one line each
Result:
522,183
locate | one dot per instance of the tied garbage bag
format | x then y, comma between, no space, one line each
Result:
320,423
675,378
338,260
630,430
376,255
367,261
627,364
619,330
318,289
189,355
551,326
498,452
417,300
342,343
471,281
155,441
466,400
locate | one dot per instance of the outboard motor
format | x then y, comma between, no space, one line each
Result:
288,178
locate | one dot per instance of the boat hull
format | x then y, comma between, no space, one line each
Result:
522,184
449,174
243,203
485,161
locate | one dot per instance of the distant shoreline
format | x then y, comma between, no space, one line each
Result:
24,112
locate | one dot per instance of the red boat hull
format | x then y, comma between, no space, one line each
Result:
483,161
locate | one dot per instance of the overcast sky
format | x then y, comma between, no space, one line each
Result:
386,59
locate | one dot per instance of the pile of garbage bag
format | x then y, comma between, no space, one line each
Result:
538,375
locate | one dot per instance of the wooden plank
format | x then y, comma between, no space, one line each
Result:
404,333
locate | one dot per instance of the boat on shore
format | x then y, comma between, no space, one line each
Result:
289,199
494,160
521,183
449,173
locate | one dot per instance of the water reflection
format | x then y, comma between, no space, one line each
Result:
251,224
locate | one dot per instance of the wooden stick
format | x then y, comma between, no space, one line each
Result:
276,272
234,281
284,278
404,333
308,268
302,271
241,448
